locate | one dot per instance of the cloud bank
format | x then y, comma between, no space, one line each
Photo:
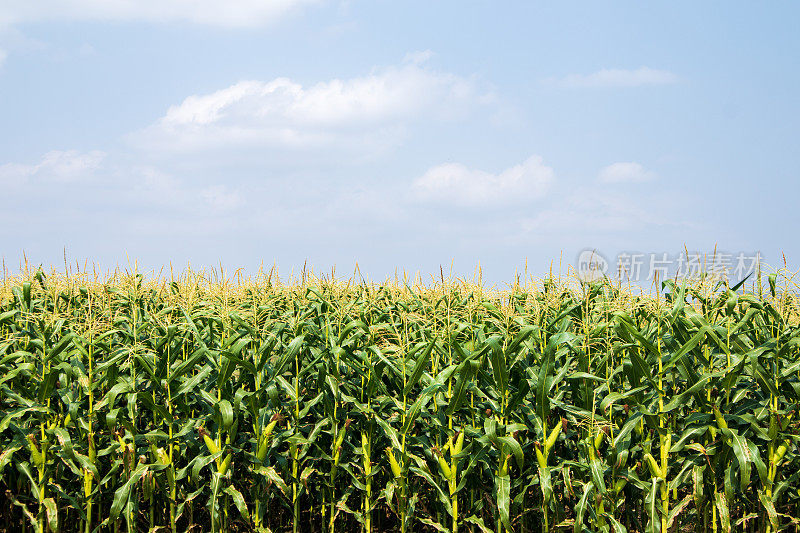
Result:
338,112
231,13
56,166
625,172
454,183
609,78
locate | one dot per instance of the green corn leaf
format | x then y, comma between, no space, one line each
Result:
503,492
722,508
238,501
423,359
580,509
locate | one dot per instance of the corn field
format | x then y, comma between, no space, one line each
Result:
150,404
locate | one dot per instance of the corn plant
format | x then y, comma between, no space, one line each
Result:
210,403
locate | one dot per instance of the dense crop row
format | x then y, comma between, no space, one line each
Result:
134,404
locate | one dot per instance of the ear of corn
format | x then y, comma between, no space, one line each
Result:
151,404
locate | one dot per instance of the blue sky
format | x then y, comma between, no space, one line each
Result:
402,135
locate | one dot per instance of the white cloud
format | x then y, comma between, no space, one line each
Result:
13,41
285,113
596,212
151,187
617,78
457,184
156,189
419,57
55,166
590,210
625,172
92,178
221,198
231,13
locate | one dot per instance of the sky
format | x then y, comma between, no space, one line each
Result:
409,136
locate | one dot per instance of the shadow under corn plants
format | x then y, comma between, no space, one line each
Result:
133,404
